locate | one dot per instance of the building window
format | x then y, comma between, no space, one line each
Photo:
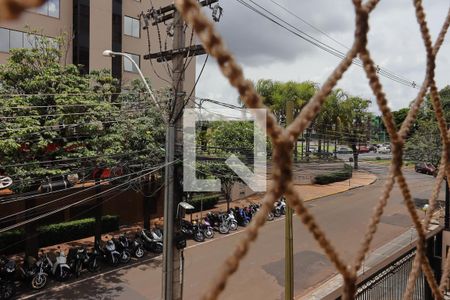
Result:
4,40
131,27
11,39
129,66
49,8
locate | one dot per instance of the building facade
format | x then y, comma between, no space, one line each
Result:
93,26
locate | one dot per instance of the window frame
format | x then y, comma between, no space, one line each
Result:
132,65
46,9
139,27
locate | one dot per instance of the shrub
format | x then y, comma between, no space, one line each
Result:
74,230
340,175
208,202
13,241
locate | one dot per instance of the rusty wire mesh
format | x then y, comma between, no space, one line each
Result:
283,140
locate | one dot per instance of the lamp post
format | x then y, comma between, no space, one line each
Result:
109,53
169,216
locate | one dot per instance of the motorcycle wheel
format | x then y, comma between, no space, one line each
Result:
277,213
78,268
139,252
93,265
115,260
199,237
233,226
223,229
38,281
209,233
64,274
125,257
270,217
7,290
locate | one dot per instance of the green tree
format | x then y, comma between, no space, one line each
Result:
355,119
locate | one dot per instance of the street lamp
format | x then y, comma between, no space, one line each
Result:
109,53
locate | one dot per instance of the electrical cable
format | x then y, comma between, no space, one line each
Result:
299,33
20,224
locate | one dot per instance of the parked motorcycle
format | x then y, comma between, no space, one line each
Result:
79,259
207,229
109,253
7,273
231,221
57,267
242,216
218,222
32,271
151,239
281,204
135,247
192,230
122,245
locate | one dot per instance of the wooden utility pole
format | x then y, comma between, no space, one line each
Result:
289,256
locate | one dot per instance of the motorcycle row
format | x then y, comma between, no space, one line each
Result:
224,222
34,272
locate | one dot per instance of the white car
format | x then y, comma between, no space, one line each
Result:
384,150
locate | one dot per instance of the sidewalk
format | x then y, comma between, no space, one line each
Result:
307,191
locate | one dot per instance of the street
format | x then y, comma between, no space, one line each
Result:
261,274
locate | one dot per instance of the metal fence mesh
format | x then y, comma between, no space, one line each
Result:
283,140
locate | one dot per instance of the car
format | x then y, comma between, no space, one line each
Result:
384,150
425,168
344,150
363,149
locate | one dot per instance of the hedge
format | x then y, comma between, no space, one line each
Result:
57,233
208,202
340,175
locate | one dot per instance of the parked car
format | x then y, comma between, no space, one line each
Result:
425,168
384,150
344,150
363,149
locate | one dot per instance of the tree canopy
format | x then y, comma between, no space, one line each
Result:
57,121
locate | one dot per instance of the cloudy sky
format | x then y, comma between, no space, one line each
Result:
268,51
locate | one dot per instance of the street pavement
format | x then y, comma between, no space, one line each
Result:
261,274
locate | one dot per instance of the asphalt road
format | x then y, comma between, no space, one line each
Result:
261,274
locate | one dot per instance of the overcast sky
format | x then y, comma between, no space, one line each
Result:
268,51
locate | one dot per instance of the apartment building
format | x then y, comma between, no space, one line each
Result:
93,26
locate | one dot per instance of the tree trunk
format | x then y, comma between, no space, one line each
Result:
32,241
146,201
98,211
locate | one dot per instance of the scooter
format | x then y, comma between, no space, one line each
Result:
152,241
109,252
122,245
135,247
80,259
58,268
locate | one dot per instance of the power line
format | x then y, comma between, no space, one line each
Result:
72,114
75,203
62,94
308,38
124,103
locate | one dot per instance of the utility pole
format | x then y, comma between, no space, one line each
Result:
172,288
447,206
289,255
